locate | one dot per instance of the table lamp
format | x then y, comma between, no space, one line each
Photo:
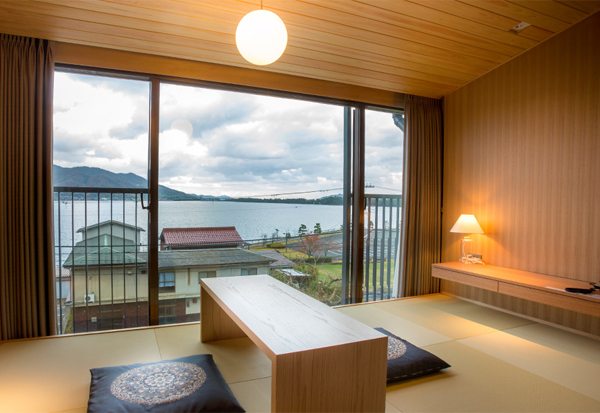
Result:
466,224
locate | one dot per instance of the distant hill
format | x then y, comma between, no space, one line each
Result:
84,176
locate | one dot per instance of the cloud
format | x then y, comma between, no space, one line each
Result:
215,142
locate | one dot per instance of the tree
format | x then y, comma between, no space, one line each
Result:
316,246
302,230
318,228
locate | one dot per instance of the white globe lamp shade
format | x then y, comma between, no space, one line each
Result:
261,37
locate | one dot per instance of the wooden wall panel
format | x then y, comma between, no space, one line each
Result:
522,153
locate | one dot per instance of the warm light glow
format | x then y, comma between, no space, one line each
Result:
467,224
261,37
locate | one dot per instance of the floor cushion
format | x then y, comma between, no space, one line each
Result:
186,384
406,361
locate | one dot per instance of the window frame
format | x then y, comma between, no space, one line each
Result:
354,170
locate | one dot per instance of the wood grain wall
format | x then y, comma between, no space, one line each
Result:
522,153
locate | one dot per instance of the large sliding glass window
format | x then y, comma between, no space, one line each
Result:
100,167
249,184
384,140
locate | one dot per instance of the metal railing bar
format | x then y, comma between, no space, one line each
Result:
85,299
382,251
100,190
72,268
375,228
98,319
112,281
123,313
368,248
389,254
136,263
60,307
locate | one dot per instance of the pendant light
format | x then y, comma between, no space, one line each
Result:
261,37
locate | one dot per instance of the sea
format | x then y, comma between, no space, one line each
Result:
253,221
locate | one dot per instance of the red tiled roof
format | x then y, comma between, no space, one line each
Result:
204,236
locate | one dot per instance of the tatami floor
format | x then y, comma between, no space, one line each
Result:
500,363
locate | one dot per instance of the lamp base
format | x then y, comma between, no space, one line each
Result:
463,248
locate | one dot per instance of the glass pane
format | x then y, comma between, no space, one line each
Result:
384,137
100,146
249,185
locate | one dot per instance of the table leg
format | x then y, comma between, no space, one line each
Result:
215,323
346,378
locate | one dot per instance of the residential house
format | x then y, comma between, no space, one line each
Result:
110,276
197,238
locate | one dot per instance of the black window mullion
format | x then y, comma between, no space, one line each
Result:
153,202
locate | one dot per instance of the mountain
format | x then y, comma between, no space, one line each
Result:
84,176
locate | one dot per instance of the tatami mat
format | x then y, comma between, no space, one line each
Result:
253,395
373,316
238,360
561,368
477,382
53,374
579,346
500,363
451,317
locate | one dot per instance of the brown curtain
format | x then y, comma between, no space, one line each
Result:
422,205
27,298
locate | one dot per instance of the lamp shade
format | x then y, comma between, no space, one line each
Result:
261,37
467,224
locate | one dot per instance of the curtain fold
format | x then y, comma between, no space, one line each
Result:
422,205
27,280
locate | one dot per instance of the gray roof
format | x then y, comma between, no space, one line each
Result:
103,256
281,261
111,222
221,257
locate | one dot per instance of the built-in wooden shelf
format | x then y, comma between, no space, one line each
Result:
541,288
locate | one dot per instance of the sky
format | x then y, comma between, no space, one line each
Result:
215,142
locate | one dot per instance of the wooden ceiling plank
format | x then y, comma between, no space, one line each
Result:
417,25
412,70
112,42
442,55
486,17
332,67
586,6
520,13
369,58
422,26
211,20
444,51
425,13
313,15
364,62
208,52
388,46
553,9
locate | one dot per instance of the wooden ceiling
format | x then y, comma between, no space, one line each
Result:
421,47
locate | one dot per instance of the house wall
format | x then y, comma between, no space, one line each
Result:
522,153
109,284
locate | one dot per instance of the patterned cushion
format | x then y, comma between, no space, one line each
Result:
406,361
186,384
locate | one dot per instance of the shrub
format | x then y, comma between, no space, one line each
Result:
276,245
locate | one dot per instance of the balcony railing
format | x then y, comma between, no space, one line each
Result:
382,236
101,279
102,274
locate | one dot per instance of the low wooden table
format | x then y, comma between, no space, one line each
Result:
541,288
322,360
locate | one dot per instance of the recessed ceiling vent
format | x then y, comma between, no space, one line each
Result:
520,27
